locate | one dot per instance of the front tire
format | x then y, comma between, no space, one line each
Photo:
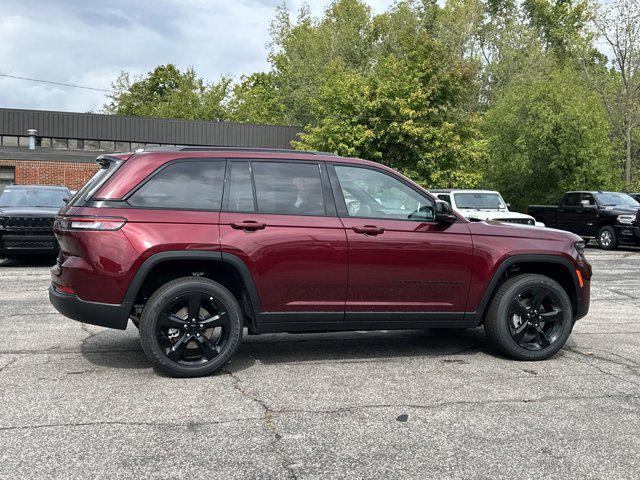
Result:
530,317
607,238
190,327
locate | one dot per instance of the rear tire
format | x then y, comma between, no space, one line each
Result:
607,238
530,317
190,327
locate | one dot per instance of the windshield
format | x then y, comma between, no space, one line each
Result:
22,197
479,201
611,199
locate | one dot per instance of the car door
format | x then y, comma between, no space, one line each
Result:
588,215
569,214
279,218
400,261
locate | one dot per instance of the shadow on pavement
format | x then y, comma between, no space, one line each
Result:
116,349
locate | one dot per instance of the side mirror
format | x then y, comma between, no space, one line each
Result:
508,205
586,204
444,213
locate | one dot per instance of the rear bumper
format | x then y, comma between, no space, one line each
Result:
94,313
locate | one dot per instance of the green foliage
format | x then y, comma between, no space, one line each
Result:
547,134
561,24
167,92
256,99
397,102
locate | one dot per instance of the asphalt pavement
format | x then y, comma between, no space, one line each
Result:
78,401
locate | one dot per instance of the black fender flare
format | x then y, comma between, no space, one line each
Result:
494,283
222,257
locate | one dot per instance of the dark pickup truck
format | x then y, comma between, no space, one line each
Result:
26,219
609,217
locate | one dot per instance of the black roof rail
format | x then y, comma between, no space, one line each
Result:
186,148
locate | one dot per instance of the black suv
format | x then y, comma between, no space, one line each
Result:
26,219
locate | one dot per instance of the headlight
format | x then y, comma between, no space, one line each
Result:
579,246
626,219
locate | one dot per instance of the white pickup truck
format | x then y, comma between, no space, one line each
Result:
483,205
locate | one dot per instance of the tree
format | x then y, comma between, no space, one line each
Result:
619,25
256,99
167,92
548,134
391,93
562,25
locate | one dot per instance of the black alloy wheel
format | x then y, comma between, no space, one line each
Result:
536,318
530,317
191,327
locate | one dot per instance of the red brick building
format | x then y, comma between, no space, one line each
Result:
65,145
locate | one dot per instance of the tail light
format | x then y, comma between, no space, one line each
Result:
64,289
89,223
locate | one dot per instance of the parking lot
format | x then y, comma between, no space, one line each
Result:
79,401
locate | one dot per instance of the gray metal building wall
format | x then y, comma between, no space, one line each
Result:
91,126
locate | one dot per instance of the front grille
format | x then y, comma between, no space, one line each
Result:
30,244
27,224
26,241
522,221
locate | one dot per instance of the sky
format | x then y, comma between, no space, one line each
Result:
89,42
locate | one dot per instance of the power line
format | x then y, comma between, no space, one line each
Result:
56,83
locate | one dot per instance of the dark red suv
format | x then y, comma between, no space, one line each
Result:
195,244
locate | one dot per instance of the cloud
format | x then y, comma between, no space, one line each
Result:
89,42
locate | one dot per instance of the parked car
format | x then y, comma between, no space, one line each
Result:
26,219
606,216
193,244
483,205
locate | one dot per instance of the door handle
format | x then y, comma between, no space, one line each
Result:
248,225
369,230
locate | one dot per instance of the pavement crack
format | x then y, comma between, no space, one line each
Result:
632,366
8,364
353,408
269,422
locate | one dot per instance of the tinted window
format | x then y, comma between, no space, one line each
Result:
288,188
589,198
193,185
571,200
99,178
373,194
444,197
240,189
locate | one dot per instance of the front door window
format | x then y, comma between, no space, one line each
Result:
373,194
